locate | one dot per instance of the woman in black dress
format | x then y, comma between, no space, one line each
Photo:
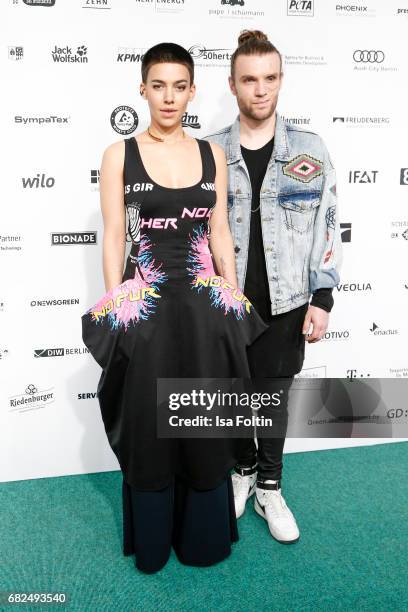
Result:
175,312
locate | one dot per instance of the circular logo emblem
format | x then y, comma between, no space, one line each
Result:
124,119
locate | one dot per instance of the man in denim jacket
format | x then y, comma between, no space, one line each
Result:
284,221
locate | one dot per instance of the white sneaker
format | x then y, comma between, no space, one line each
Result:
244,487
270,504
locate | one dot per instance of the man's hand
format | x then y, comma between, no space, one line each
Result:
319,319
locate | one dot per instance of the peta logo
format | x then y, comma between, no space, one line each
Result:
208,186
303,8
138,187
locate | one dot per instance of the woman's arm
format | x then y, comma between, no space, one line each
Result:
114,214
221,243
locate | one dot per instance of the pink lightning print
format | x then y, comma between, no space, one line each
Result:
135,299
201,267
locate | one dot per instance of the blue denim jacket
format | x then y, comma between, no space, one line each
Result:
299,213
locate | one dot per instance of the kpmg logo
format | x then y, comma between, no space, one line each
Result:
73,238
124,119
370,57
301,8
363,176
130,55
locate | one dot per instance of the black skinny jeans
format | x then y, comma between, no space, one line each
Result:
278,353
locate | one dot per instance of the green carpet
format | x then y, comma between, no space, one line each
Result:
351,505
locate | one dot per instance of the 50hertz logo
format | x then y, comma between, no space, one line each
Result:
368,57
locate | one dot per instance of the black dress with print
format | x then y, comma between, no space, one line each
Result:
172,316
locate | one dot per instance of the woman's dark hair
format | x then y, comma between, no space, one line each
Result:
167,52
253,42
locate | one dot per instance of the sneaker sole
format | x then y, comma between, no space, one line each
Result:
259,510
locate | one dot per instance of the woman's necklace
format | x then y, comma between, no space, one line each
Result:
157,138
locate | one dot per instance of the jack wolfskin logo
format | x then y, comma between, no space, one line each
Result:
303,168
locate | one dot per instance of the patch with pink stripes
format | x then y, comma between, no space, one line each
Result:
303,168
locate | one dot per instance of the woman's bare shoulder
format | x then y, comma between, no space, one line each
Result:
114,154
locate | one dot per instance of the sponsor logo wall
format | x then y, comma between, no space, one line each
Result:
69,92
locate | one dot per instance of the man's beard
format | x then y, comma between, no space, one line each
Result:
262,116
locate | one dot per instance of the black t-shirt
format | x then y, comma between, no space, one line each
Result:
256,286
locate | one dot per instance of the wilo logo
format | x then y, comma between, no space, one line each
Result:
39,181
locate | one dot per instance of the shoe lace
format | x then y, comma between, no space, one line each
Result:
268,498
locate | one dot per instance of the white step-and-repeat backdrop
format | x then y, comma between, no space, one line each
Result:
71,74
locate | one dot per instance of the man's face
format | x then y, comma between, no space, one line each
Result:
256,84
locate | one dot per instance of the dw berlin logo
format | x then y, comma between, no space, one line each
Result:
368,57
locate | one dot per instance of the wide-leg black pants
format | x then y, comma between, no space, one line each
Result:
199,525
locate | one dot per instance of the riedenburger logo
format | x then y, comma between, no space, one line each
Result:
31,399
73,238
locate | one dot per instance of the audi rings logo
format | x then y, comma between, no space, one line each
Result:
368,57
